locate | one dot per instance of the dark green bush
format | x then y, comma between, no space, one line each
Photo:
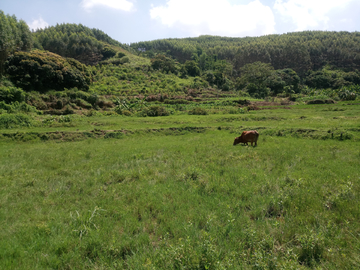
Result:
108,52
153,111
93,99
42,71
11,94
198,111
120,55
321,101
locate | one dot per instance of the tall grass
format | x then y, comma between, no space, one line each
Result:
180,202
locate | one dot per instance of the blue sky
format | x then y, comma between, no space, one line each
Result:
129,21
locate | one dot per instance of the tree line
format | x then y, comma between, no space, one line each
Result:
300,51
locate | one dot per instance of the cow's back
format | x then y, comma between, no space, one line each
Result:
250,136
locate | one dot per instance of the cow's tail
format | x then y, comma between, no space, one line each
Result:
257,134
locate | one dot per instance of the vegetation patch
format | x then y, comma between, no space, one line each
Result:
8,121
321,101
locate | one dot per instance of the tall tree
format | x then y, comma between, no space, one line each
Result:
6,39
254,78
14,36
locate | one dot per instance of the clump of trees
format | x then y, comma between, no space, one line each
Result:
165,64
14,36
89,46
328,77
261,80
41,71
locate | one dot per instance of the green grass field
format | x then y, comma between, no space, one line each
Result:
174,193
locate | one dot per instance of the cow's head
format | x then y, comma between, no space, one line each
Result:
237,140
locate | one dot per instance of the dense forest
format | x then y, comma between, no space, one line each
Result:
74,56
77,41
300,51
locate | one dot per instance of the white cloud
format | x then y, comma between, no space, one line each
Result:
38,24
124,5
309,14
217,17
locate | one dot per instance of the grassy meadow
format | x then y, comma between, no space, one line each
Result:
172,192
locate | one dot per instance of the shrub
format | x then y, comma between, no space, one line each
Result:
14,120
198,111
120,55
320,101
68,110
11,94
93,99
74,93
124,60
17,107
153,111
345,94
176,101
121,111
82,103
108,52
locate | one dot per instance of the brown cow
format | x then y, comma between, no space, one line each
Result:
247,136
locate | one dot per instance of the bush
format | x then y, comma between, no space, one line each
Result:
120,55
198,111
82,103
108,52
121,111
11,94
74,93
17,107
68,110
345,94
321,101
153,111
176,101
124,60
93,99
14,120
